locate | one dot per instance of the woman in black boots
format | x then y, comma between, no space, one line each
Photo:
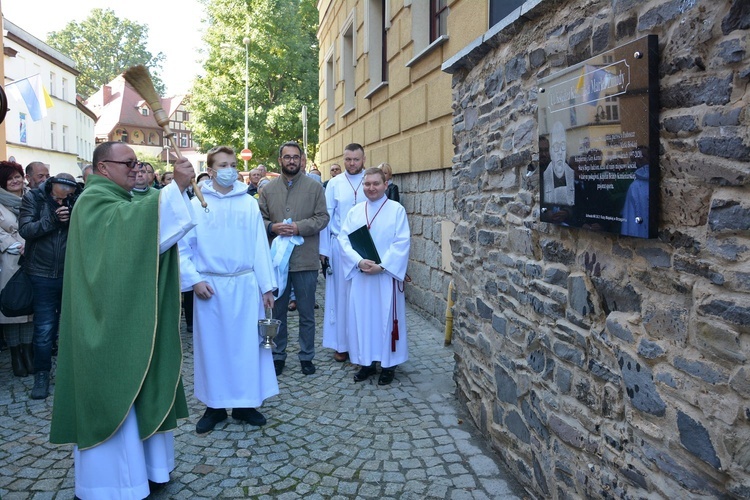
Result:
18,331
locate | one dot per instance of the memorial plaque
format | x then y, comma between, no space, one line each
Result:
599,142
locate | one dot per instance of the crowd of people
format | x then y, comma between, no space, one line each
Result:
127,236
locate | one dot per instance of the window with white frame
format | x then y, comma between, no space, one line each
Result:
330,87
429,27
52,134
183,140
64,89
52,84
377,23
347,63
64,138
438,19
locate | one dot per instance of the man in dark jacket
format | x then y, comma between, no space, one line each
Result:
43,223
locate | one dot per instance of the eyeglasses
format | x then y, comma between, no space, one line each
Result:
559,146
288,158
129,163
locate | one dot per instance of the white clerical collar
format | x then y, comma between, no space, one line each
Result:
379,201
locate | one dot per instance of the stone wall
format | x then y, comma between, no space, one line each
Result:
604,366
428,199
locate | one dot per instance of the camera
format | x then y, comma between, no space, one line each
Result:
69,201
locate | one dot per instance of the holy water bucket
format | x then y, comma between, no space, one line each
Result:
268,328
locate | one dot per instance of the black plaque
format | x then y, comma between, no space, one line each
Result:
599,142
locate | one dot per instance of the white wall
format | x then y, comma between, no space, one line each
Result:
63,138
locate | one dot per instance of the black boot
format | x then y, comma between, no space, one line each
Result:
19,370
41,386
365,372
27,354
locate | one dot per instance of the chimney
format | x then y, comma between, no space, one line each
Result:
107,97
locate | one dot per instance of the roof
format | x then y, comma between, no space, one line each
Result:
118,104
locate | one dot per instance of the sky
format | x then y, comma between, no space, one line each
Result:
168,20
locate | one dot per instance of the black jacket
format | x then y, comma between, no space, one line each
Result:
391,192
46,237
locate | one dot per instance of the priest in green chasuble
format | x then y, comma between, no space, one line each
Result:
118,388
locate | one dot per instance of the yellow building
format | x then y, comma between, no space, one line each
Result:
382,85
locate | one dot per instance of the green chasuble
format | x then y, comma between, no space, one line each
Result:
119,326
139,195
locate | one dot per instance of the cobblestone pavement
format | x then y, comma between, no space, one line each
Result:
326,437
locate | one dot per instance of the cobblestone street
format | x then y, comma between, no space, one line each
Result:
326,436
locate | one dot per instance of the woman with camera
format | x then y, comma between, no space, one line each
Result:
45,215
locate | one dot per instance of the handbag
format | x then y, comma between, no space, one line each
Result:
17,297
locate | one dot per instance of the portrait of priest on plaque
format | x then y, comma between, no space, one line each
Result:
598,130
558,178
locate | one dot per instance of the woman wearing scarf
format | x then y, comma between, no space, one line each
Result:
18,331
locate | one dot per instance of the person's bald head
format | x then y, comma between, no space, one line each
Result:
36,173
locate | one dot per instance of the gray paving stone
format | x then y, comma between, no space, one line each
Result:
326,438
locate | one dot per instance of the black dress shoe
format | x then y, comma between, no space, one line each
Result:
386,376
154,487
278,365
308,368
365,372
209,419
249,415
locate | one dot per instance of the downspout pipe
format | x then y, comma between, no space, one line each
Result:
449,316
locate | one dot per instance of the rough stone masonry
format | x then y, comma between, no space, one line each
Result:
599,365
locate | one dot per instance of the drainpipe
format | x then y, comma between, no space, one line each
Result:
449,315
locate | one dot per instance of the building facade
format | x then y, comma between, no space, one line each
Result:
598,365
124,116
64,138
381,85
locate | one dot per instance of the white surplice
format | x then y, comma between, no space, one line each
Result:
121,467
370,304
343,192
229,250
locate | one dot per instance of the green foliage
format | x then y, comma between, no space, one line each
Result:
283,76
103,46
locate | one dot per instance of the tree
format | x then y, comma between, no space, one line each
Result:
283,76
103,46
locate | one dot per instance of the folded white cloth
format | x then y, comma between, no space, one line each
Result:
281,252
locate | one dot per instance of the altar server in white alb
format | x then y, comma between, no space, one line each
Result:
226,261
342,194
376,319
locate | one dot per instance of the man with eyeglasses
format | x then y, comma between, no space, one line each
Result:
151,175
118,390
343,192
143,185
293,205
335,170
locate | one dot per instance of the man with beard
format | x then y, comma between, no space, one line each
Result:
294,205
343,192
36,173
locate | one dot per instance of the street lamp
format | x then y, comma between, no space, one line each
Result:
246,41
